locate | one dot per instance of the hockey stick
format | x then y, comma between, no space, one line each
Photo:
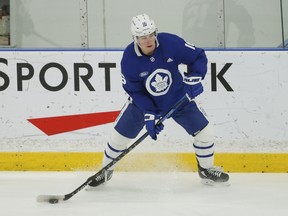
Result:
56,198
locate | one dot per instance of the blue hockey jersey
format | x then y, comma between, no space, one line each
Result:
154,82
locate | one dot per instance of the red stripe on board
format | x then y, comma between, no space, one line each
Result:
62,124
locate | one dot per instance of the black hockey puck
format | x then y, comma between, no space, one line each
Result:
53,201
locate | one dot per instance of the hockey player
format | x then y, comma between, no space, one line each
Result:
151,78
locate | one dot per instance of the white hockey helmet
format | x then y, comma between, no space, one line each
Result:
142,25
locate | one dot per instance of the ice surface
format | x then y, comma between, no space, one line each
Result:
144,194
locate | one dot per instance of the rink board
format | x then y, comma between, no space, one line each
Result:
48,101
184,162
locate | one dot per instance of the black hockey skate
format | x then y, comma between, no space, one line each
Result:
213,176
104,177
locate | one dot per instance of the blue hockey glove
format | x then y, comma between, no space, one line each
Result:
193,86
151,128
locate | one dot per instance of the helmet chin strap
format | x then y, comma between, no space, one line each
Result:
136,48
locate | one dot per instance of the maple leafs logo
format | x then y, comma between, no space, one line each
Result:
160,83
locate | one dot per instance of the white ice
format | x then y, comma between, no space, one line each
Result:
144,194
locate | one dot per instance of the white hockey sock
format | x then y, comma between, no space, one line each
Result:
110,154
114,148
204,147
204,154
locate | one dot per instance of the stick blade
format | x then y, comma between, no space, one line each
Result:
50,198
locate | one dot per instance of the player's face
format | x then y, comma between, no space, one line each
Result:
147,43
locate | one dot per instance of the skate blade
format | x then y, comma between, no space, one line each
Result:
209,182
